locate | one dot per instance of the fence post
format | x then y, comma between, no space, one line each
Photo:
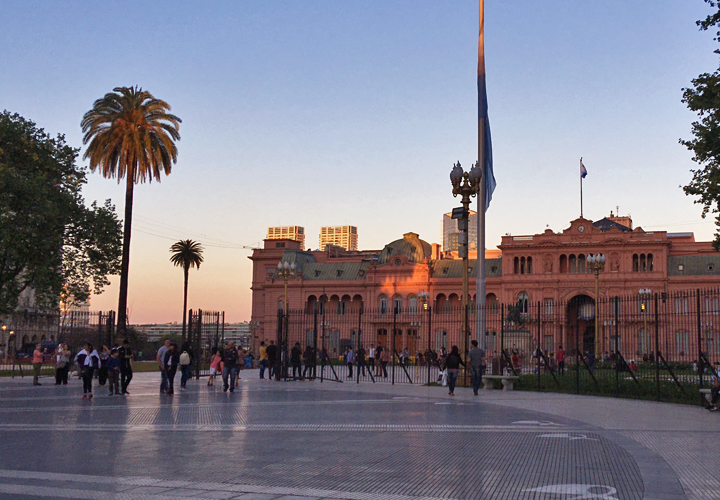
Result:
427,362
501,361
617,335
537,351
701,361
577,355
395,310
657,349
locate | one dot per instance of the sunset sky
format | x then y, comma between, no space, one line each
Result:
318,113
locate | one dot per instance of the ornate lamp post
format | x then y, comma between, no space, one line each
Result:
596,264
467,185
644,294
424,297
285,270
7,340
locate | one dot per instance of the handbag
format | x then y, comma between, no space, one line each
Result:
444,378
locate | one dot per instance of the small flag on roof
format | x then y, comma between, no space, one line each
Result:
583,170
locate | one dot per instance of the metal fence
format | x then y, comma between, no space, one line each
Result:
206,334
659,345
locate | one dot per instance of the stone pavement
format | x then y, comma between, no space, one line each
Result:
307,440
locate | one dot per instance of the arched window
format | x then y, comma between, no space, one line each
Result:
516,265
412,304
643,263
524,302
383,304
440,303
397,304
281,307
650,263
573,264
581,263
636,263
563,264
522,265
529,265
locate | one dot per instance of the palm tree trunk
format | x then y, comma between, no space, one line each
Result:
186,268
125,266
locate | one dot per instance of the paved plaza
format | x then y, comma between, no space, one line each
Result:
307,440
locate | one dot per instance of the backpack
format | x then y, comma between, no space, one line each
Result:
184,358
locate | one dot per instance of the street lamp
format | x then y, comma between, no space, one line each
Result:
596,263
467,185
285,270
7,341
644,294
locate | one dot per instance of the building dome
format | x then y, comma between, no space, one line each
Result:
411,246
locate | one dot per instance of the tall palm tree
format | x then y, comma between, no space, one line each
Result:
131,135
186,254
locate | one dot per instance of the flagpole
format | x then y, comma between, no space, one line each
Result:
581,179
480,286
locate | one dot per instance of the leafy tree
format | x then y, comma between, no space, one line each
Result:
186,254
132,135
50,242
704,98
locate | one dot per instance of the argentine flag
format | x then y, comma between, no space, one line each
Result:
583,170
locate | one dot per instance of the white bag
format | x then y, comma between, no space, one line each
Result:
444,378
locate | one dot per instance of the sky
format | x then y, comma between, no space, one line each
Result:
319,112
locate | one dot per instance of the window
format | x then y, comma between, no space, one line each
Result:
548,306
529,265
563,264
524,302
573,264
413,304
681,305
516,265
383,303
581,263
440,340
615,305
712,305
281,306
397,304
636,263
643,342
682,343
643,263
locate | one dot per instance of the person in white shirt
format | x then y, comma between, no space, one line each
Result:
371,357
88,361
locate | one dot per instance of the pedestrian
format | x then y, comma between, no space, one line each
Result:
309,360
295,357
263,359
160,359
552,363
62,364
113,372
477,358
126,371
102,371
185,361
88,360
37,362
452,365
215,368
361,359
560,357
371,357
172,360
230,362
349,358
272,359
378,356
714,392
384,360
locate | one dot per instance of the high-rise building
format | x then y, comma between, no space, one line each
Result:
450,232
296,233
341,236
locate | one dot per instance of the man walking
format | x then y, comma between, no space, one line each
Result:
371,357
160,359
560,357
230,366
361,359
37,361
476,361
126,371
295,357
349,358
263,359
272,359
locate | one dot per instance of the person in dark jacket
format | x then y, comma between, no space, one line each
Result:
361,359
452,365
295,357
172,358
230,357
272,359
309,360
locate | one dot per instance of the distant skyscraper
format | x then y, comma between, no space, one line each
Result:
296,233
450,232
341,236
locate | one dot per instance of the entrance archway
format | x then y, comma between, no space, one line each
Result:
580,324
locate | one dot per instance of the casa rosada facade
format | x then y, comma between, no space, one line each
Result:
548,270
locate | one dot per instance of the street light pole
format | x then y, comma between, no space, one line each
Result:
286,270
596,263
467,185
645,294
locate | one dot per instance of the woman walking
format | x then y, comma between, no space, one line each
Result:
215,366
452,365
186,359
88,360
62,365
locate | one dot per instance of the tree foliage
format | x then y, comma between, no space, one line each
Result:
50,242
186,254
704,99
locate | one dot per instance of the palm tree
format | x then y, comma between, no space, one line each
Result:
186,254
131,135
